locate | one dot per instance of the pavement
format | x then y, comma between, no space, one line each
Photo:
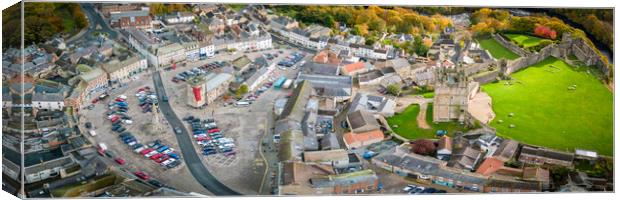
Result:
481,107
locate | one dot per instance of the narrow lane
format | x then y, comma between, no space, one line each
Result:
191,157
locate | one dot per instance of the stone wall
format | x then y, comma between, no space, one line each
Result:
533,58
561,50
511,46
486,77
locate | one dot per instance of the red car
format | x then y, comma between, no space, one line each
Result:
214,130
156,156
162,158
146,151
115,118
120,161
95,100
119,100
101,151
142,175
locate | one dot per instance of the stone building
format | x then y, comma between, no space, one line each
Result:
120,72
453,91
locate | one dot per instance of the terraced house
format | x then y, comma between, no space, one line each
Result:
120,72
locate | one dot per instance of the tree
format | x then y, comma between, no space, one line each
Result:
423,147
393,89
243,89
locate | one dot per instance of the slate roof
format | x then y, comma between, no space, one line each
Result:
547,153
320,68
506,150
295,106
331,86
362,118
47,97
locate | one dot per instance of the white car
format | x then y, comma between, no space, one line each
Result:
152,153
122,96
167,151
132,143
407,189
127,121
166,162
229,145
139,149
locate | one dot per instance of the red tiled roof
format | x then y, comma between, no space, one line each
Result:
353,67
351,138
490,166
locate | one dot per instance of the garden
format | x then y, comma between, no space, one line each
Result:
556,105
407,126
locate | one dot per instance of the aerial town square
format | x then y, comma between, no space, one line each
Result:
142,99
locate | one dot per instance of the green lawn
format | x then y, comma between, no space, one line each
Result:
408,126
497,50
547,113
525,40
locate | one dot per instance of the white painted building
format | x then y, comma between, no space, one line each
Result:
48,101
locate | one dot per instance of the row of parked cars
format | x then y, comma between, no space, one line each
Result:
147,99
196,71
117,114
292,59
414,189
156,151
210,137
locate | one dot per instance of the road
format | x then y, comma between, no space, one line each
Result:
96,24
192,159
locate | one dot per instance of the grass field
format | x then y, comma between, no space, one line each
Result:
525,40
496,49
408,125
548,113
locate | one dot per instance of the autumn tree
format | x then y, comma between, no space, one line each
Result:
423,147
545,32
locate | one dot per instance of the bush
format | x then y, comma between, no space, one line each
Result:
393,89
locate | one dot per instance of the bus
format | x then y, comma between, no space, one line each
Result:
278,84
287,84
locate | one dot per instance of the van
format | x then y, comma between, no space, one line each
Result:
103,146
92,132
242,104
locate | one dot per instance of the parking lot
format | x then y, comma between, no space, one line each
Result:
245,125
146,127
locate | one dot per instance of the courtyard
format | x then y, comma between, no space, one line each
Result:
552,104
497,50
525,40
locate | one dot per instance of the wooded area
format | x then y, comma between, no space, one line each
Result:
41,22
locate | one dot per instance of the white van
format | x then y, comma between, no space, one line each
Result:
103,146
92,132
242,104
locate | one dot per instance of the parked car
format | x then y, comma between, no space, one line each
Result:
156,183
142,175
120,161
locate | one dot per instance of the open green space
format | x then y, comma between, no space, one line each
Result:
554,105
407,125
497,50
524,40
